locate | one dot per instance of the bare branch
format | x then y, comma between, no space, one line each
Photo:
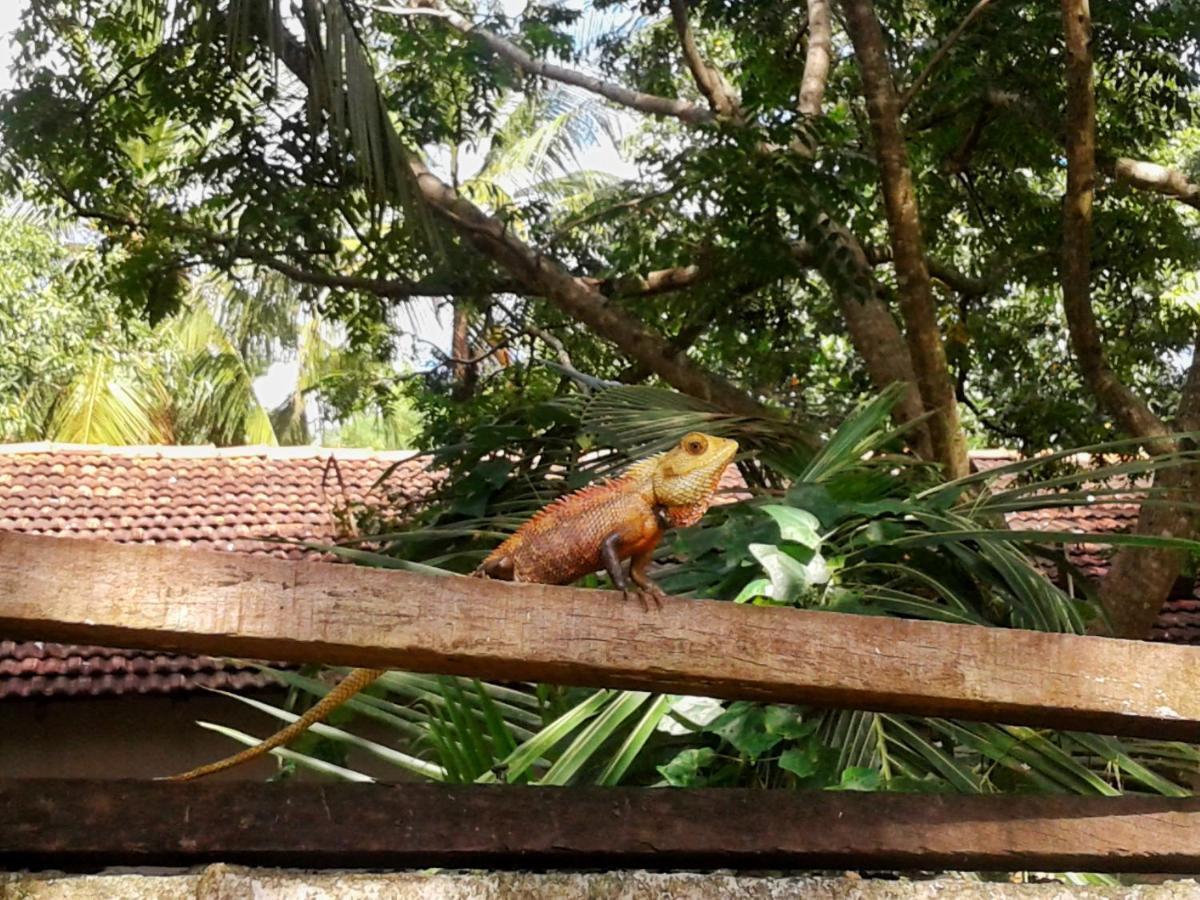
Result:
1148,176
940,54
1115,397
545,276
819,58
714,87
944,272
922,334
647,103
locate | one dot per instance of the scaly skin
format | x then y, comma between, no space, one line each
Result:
596,527
625,518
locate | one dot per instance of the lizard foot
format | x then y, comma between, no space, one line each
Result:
645,595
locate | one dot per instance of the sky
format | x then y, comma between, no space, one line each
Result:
10,12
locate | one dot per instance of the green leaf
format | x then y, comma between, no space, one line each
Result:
308,762
517,764
786,722
789,577
684,769
803,761
590,740
635,741
759,587
403,761
859,778
796,525
744,725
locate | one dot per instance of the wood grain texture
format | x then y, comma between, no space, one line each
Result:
59,589
82,824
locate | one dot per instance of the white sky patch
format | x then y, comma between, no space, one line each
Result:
10,15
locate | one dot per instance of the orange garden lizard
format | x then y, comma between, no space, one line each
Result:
596,527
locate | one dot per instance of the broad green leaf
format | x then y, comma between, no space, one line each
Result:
684,769
759,587
803,761
744,726
796,525
859,778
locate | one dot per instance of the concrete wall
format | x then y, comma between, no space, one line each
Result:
234,883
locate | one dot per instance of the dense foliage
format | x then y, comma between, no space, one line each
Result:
127,113
77,365
854,527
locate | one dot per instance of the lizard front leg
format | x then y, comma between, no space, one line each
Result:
611,559
637,571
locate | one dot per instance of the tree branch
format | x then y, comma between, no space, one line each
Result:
1118,400
877,339
820,55
714,87
1139,580
958,281
872,328
922,333
647,103
1139,174
1148,176
940,54
545,276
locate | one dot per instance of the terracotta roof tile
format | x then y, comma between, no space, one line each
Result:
232,500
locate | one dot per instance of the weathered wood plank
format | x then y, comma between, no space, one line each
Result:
208,602
72,825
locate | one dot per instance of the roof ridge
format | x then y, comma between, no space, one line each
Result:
206,451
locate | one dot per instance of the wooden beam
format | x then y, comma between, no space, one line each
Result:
59,589
84,824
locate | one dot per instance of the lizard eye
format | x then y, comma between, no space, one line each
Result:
694,446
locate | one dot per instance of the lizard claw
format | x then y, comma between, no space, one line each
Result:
645,595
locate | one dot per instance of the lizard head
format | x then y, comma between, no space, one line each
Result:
687,475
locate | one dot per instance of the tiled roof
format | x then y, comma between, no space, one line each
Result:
219,499
1091,559
37,669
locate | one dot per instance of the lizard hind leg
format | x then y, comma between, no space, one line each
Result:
501,569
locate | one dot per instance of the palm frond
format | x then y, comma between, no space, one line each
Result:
111,403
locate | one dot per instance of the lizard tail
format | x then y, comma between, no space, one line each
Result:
355,681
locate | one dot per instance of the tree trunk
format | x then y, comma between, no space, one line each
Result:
1116,398
818,59
874,333
1140,579
462,372
922,333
